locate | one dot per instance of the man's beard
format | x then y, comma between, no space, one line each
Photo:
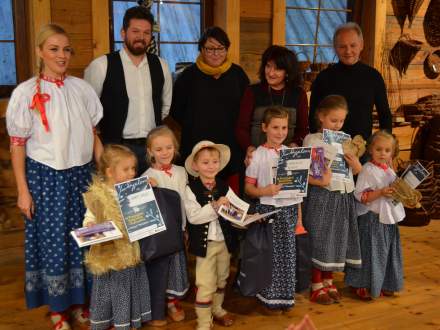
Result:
136,50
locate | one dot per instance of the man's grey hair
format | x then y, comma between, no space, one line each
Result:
349,26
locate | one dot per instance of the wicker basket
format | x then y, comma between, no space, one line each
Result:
431,25
303,65
415,218
400,9
431,65
403,52
427,189
413,8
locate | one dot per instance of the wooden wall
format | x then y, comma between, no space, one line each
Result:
255,33
414,84
76,17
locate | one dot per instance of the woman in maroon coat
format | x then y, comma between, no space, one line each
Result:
279,86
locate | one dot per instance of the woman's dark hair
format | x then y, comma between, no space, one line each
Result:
138,12
284,59
216,33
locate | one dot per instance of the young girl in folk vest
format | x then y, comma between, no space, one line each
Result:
330,211
382,270
120,291
279,295
162,149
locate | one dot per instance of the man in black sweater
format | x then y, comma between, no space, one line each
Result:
361,85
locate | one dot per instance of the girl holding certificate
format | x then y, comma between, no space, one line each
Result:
120,290
382,269
330,210
280,295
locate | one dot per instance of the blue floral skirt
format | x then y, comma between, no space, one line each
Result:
54,271
281,293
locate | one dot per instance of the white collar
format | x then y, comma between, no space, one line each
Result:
127,60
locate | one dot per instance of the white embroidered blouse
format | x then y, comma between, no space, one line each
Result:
261,172
72,109
373,177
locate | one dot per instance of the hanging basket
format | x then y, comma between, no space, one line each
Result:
303,66
400,9
413,8
431,23
318,65
403,53
431,65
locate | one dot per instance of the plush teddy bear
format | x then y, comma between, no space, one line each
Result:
355,146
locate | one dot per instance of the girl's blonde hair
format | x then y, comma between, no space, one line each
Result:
274,112
386,135
111,156
329,103
46,32
161,131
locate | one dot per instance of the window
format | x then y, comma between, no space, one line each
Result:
310,25
13,41
180,28
8,74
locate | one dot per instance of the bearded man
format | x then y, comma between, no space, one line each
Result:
135,88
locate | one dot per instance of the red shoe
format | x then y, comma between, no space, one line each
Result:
59,321
386,293
362,293
175,311
321,296
80,314
334,293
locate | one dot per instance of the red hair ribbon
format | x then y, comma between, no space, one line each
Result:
38,104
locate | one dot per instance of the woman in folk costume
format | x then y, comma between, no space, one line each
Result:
50,120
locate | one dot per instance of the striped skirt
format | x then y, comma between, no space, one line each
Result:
281,292
120,299
178,282
382,266
330,218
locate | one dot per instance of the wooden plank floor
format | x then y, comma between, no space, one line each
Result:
417,307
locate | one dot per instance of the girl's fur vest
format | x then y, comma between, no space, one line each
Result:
113,255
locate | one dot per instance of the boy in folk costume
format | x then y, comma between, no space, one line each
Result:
211,238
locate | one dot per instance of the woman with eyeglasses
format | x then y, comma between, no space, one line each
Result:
206,100
279,85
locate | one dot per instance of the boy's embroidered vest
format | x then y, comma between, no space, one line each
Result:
113,255
198,234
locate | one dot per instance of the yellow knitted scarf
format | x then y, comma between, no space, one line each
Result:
213,71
